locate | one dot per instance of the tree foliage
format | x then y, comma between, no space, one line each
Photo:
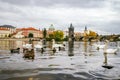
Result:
57,35
66,38
44,33
51,36
9,35
30,35
92,33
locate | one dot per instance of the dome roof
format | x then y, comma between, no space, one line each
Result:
51,27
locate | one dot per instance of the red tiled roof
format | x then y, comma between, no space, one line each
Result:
4,29
18,28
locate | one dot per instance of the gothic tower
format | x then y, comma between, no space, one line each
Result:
71,40
71,32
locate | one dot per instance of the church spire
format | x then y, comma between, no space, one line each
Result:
85,28
71,26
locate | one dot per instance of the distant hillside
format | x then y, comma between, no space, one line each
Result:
7,26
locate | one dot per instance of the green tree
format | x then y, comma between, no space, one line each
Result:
5,35
58,35
66,38
51,36
44,33
9,35
30,35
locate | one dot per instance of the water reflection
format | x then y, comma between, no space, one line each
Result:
85,47
7,44
85,50
59,62
71,48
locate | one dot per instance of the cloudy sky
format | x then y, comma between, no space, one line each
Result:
102,16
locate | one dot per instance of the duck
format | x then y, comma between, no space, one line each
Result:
29,54
15,50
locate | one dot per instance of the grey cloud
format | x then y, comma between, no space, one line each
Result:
113,27
8,8
115,5
52,3
17,2
39,13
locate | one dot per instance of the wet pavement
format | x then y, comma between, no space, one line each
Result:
85,64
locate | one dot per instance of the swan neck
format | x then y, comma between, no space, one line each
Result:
53,41
106,45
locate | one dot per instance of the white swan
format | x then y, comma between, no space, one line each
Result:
110,50
99,46
38,45
118,45
27,46
57,46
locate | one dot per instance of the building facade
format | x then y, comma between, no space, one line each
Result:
12,29
4,33
25,32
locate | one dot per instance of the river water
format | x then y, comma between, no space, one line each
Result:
85,64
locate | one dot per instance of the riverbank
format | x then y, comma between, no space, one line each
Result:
19,38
